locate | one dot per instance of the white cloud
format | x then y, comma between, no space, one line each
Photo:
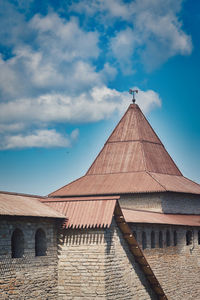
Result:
153,34
74,134
147,100
110,9
39,138
160,32
123,46
96,104
64,39
13,127
54,79
59,58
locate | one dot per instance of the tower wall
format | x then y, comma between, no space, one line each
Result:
97,264
171,203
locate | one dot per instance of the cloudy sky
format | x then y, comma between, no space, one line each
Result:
65,71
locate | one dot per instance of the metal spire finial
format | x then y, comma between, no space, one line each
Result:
132,92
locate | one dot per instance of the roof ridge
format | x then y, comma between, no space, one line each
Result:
157,180
120,172
125,172
192,181
139,140
21,194
142,148
130,107
149,125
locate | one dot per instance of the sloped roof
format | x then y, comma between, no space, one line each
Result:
85,212
133,147
12,204
133,160
127,183
136,216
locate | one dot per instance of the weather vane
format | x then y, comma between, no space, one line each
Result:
132,92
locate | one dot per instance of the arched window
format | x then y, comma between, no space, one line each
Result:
168,238
188,237
175,238
40,243
160,239
199,237
152,239
144,240
135,234
17,243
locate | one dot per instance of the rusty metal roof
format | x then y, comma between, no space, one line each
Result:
86,212
119,183
136,216
133,126
12,204
133,146
133,160
179,184
127,183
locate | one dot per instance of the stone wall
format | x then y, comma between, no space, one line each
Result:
124,278
177,267
174,203
28,277
81,270
171,203
97,264
149,202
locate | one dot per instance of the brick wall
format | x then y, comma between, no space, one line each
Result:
97,264
176,267
28,277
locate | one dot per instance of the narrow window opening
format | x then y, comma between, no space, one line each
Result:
168,238
188,237
175,238
152,239
198,237
40,243
17,243
160,239
144,240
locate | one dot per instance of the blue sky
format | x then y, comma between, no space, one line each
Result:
65,71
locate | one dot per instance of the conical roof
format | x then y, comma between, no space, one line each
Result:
133,147
133,160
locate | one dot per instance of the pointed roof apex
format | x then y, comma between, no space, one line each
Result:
134,127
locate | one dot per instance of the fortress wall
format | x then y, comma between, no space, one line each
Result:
28,277
81,267
171,203
149,202
177,267
174,203
97,264
124,278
